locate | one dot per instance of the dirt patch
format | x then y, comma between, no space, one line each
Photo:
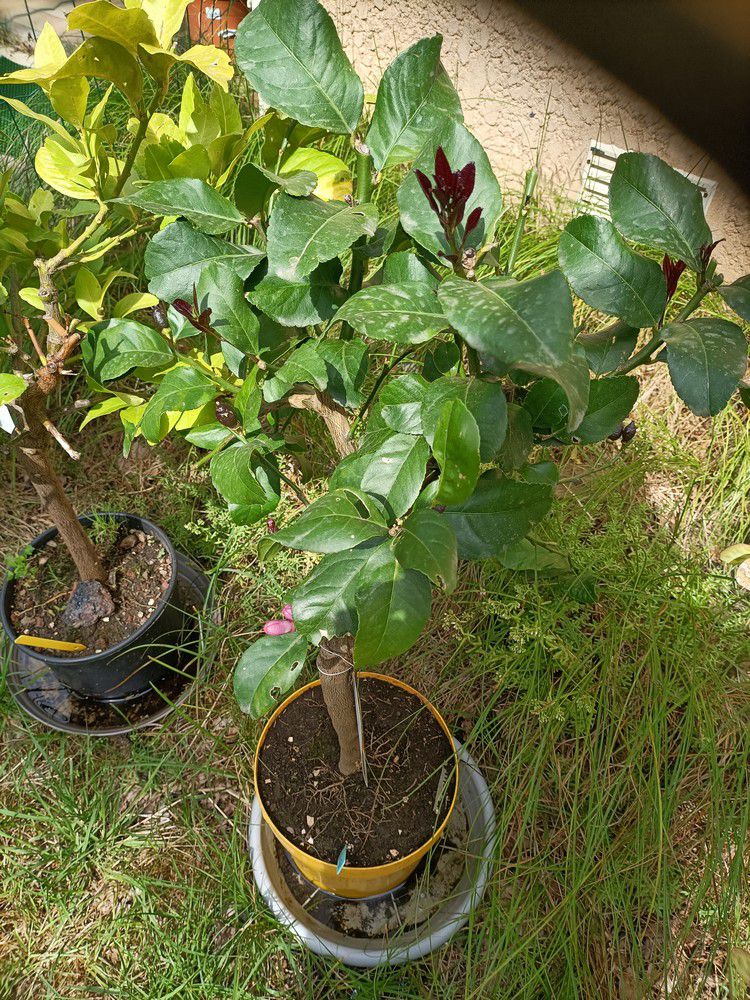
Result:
410,778
138,572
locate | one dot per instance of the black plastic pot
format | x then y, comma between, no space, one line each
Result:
129,668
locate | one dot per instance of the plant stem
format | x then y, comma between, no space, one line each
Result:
532,176
362,193
642,356
210,373
138,138
374,391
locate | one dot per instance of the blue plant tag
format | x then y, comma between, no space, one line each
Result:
341,861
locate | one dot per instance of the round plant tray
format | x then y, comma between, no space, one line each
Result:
45,698
402,925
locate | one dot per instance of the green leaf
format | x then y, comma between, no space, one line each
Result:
534,557
208,436
222,292
496,515
608,275
737,296
394,471
333,178
323,605
111,404
393,606
254,185
311,300
414,96
519,439
406,266
126,27
456,449
607,349
547,406
706,359
399,405
417,217
305,232
176,256
610,402
522,324
305,365
427,543
182,389
193,199
653,204
342,519
484,400
11,387
445,357
249,485
268,669
107,60
134,302
293,58
347,362
408,313
121,345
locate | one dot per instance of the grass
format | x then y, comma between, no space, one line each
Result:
614,736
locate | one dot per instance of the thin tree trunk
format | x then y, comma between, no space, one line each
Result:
336,670
34,457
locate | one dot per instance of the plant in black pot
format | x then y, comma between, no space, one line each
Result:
95,599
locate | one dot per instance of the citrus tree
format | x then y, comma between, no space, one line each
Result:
439,457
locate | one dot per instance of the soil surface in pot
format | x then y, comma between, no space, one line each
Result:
410,775
138,571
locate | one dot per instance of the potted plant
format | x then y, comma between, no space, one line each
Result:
446,451
119,608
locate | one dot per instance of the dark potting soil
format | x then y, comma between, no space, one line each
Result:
410,774
138,571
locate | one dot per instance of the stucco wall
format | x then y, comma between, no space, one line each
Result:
506,66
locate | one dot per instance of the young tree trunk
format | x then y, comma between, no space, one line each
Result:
34,457
336,668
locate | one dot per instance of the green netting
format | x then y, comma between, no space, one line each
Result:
20,136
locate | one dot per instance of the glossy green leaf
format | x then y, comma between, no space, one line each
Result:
522,324
324,603
737,296
651,203
305,232
254,185
519,439
208,436
177,255
408,313
484,400
250,486
347,363
604,272
394,471
127,27
268,669
121,345
393,606
222,292
342,519
610,402
609,348
190,198
406,266
11,387
414,95
180,390
706,359
399,405
417,217
293,58
456,448
427,543
496,515
443,359
547,406
311,300
305,365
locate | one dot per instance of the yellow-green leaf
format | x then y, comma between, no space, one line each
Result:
54,126
108,60
89,293
49,50
212,62
103,20
133,302
69,98
334,177
31,295
65,170
11,387
166,17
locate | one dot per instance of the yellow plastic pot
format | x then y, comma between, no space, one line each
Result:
351,882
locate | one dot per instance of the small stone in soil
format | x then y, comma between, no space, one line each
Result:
291,739
393,852
310,820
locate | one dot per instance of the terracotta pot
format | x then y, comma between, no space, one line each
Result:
215,22
352,882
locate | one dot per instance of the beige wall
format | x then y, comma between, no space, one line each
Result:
505,66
